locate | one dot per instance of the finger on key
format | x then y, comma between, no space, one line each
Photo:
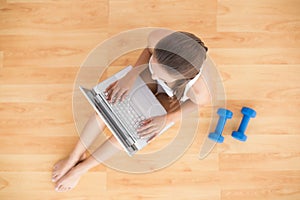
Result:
110,86
114,95
109,90
123,96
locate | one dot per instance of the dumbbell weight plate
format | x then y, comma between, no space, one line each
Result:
225,113
249,112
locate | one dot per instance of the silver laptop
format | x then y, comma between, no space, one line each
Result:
123,118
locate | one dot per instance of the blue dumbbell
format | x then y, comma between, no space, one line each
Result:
217,135
240,134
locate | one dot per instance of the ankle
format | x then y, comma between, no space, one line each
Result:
81,168
74,156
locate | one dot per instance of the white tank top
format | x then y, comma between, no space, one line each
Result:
163,87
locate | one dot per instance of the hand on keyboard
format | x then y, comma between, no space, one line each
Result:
152,126
118,90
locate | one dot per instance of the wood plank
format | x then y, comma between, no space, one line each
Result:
40,184
189,162
251,39
290,193
37,17
268,180
258,16
1,59
267,23
271,82
164,180
255,56
36,93
18,76
36,111
58,50
15,144
259,161
178,15
261,143
33,1
34,163
52,127
164,193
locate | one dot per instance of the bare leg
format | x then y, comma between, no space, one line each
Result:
93,127
104,152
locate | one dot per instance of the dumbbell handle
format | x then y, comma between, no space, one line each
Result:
244,124
220,125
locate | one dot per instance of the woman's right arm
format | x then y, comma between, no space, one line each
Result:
141,63
118,90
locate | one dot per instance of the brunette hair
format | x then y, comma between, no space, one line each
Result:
181,52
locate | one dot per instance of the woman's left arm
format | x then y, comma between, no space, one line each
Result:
154,125
198,95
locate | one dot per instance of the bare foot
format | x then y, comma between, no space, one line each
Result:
70,179
64,165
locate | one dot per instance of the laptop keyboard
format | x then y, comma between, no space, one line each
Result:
130,117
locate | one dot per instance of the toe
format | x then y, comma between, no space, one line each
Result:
59,184
65,189
59,188
55,178
54,174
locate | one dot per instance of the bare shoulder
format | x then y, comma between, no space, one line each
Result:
155,36
199,92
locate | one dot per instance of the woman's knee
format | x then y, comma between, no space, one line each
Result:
115,142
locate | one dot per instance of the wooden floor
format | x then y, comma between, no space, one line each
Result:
255,44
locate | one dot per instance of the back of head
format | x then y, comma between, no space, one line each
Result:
181,53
